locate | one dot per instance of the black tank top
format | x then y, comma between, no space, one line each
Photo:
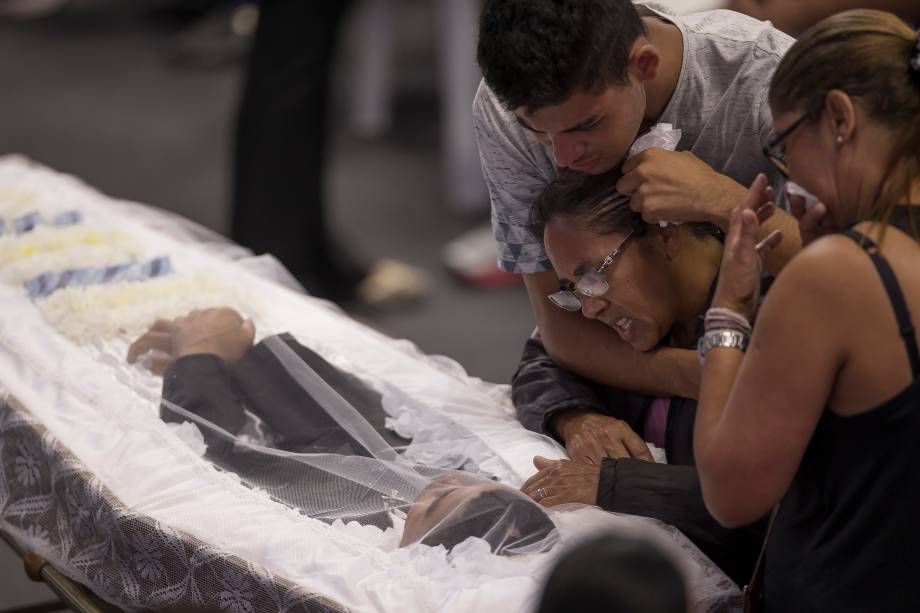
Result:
847,534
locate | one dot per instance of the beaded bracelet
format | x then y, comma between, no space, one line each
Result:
726,319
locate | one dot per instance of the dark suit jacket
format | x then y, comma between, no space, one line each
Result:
218,392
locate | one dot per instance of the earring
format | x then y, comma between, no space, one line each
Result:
839,140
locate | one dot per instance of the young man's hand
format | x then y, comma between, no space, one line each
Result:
222,332
590,437
563,482
678,187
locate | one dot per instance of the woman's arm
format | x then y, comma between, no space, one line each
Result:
758,411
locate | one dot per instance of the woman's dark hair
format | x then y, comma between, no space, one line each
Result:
537,53
614,573
596,203
867,54
505,518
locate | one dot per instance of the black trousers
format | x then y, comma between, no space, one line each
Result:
279,201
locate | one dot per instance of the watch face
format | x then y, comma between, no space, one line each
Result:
729,339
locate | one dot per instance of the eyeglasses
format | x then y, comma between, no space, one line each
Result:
591,284
775,153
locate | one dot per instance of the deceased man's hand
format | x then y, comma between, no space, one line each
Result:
222,332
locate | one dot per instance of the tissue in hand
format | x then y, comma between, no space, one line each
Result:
794,189
662,136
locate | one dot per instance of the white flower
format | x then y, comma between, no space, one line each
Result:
26,466
236,595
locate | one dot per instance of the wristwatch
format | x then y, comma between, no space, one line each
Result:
730,339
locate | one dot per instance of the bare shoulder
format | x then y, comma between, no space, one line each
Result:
820,292
893,242
829,267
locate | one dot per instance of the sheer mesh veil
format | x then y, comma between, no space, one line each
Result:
366,480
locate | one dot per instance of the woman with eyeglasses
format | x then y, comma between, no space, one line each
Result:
651,284
820,417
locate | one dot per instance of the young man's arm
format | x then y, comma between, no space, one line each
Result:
594,351
728,194
678,186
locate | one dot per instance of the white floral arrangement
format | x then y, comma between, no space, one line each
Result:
53,249
21,201
126,309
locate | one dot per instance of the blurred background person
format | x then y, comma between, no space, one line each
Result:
279,200
29,9
795,16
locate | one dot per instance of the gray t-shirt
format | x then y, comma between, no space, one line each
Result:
720,105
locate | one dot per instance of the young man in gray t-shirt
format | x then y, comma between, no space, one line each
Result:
572,84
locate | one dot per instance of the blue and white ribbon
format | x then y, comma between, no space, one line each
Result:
67,218
27,223
46,284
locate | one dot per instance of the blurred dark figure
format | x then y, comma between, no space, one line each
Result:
281,145
279,199
29,9
614,574
796,16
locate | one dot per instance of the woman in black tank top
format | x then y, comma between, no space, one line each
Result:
820,418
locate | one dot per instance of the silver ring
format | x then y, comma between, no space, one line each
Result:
541,492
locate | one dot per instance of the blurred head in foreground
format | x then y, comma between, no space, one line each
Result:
614,574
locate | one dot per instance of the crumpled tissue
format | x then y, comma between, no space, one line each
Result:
662,136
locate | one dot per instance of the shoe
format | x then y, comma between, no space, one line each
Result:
390,283
472,258
222,38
